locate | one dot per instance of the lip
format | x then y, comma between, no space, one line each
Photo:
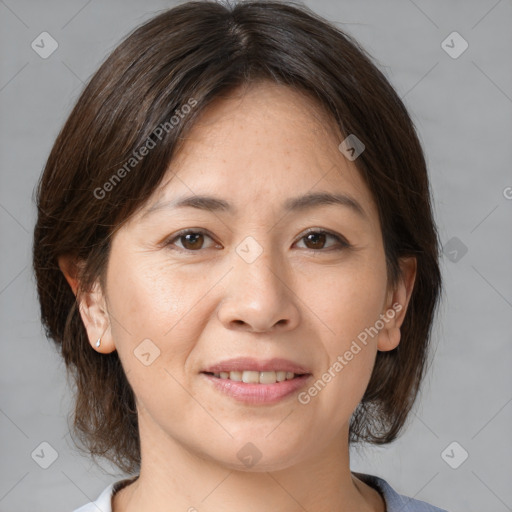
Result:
258,365
253,394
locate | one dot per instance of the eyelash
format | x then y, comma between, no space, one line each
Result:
343,243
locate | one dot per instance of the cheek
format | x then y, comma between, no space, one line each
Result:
154,327
141,299
346,304
155,301
351,301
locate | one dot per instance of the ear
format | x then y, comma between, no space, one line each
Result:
91,304
396,305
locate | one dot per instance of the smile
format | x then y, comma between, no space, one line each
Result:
256,391
255,377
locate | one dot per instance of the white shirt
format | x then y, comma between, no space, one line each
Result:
394,502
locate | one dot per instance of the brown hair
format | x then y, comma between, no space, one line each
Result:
193,53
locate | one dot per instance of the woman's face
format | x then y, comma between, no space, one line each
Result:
248,281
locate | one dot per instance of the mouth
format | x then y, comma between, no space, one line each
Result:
240,368
256,377
255,381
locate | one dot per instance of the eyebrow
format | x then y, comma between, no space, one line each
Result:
295,204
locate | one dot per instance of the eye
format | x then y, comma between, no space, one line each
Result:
317,238
193,240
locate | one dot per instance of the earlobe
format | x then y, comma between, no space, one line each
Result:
92,307
389,338
96,319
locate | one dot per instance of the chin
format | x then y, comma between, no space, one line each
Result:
257,454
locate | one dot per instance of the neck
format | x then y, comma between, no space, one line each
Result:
173,478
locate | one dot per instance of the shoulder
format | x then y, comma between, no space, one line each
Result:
103,503
396,502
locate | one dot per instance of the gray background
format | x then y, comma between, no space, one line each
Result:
462,108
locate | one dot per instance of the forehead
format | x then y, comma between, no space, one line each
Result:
258,147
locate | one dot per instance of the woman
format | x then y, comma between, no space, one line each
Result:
236,255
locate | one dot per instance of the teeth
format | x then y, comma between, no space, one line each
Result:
280,376
252,377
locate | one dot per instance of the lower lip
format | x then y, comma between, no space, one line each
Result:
258,393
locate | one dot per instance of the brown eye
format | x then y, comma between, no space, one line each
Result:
315,240
194,241
190,240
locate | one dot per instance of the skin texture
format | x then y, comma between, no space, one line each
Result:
297,300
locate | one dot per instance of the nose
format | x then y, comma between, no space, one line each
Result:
259,297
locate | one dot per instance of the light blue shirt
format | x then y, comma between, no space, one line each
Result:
394,502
